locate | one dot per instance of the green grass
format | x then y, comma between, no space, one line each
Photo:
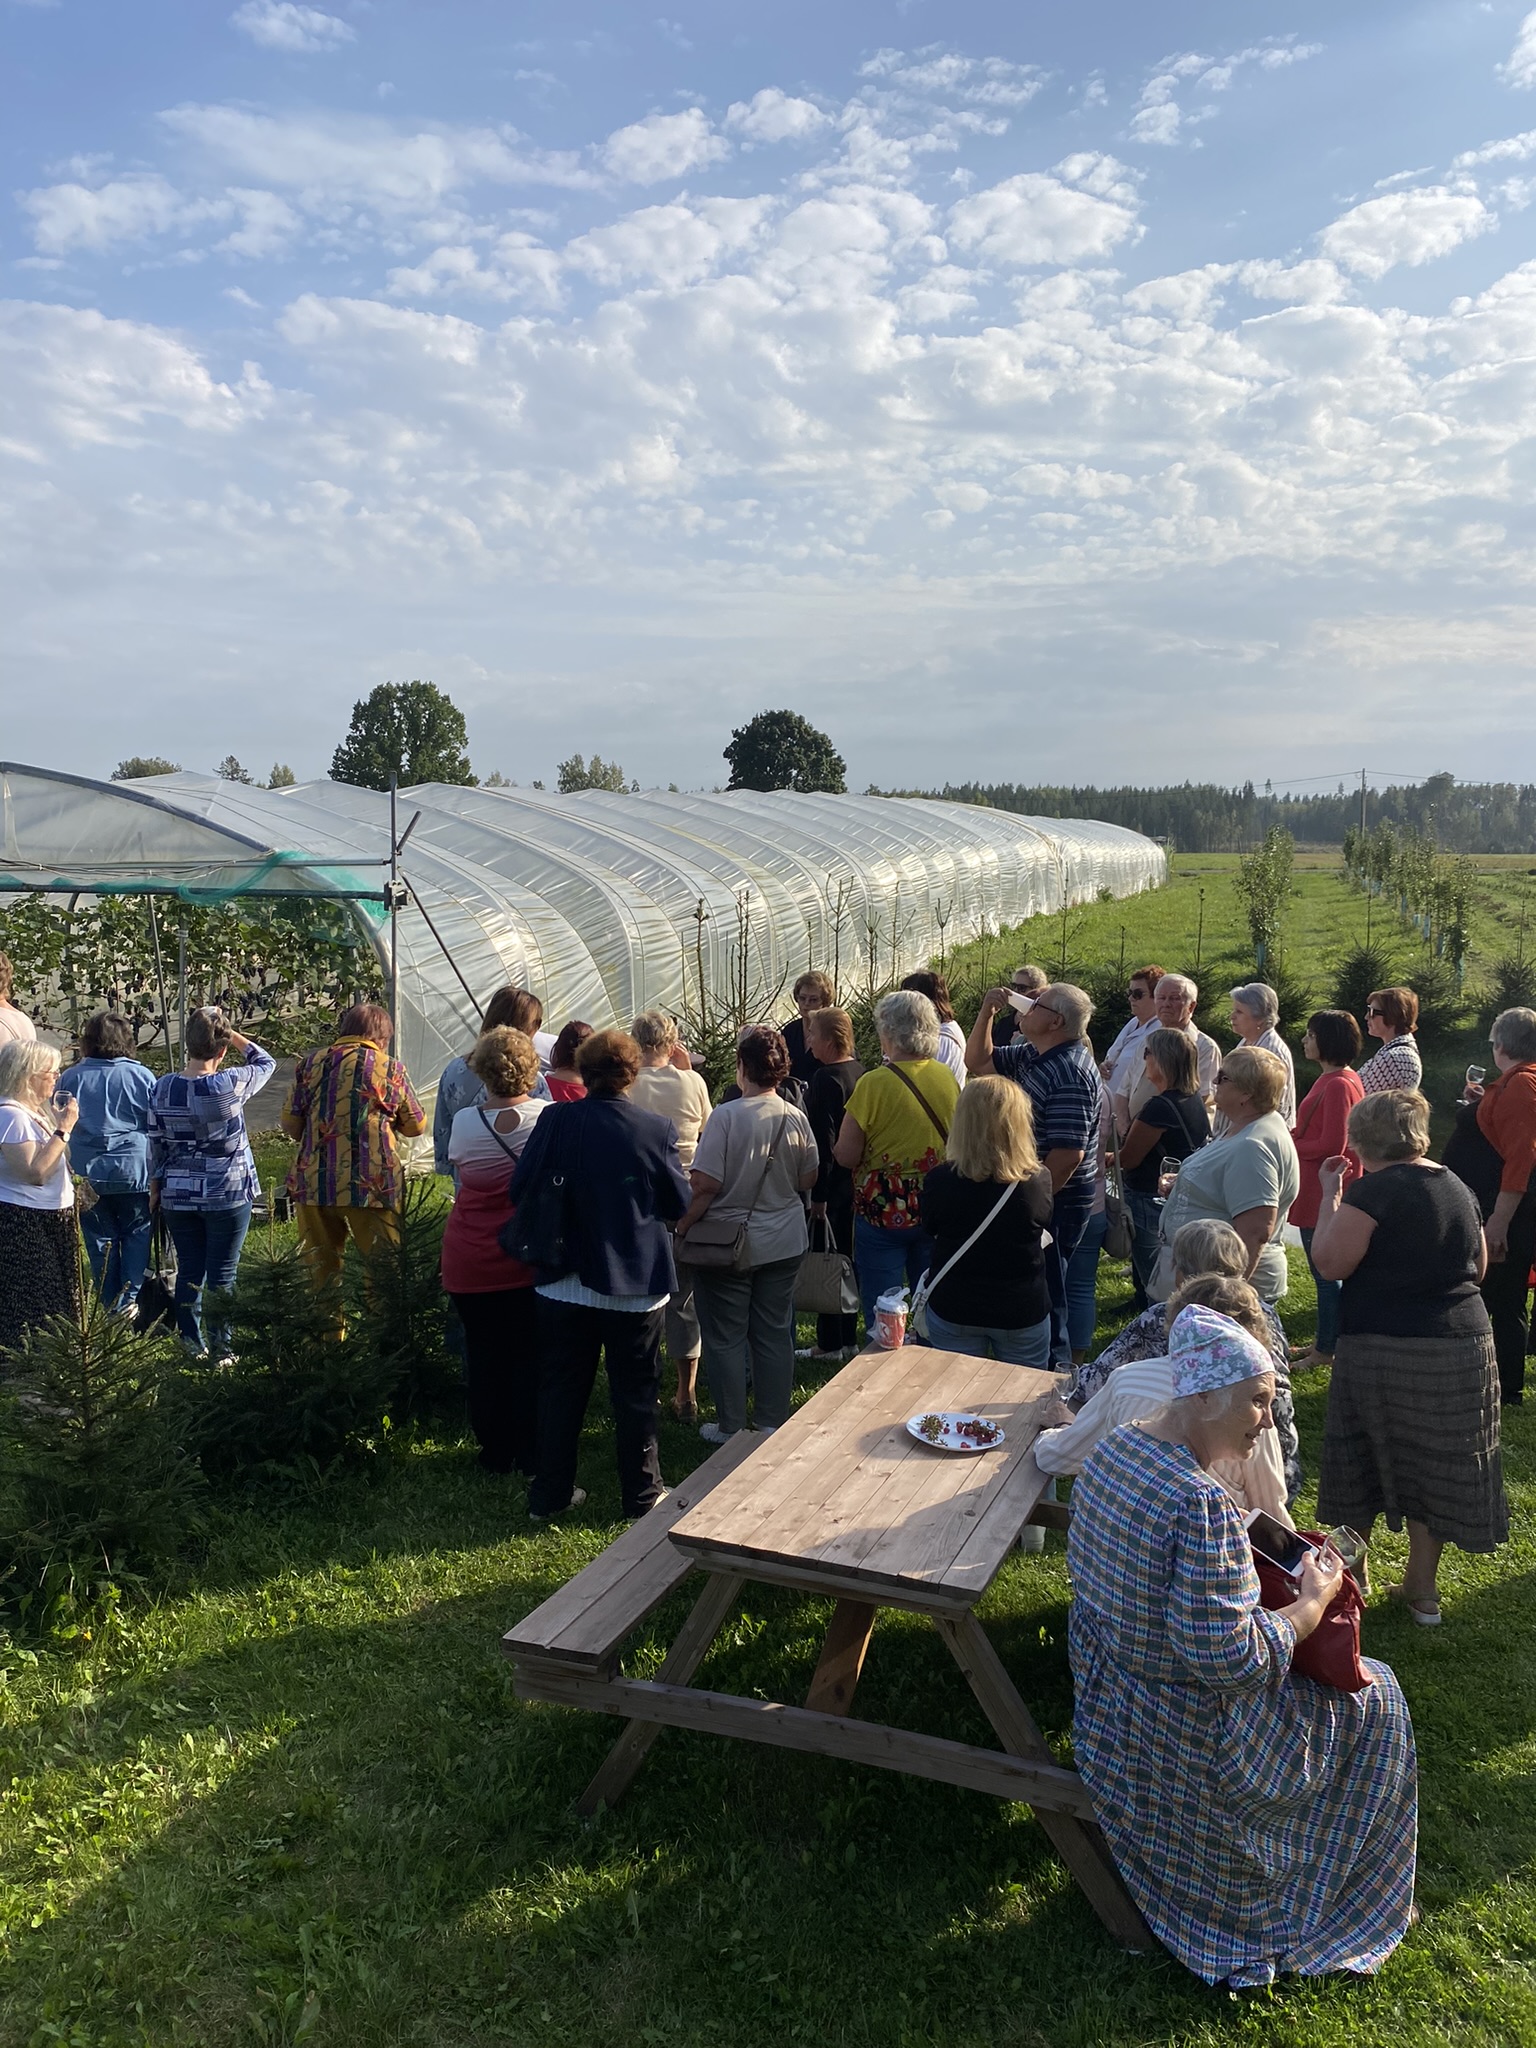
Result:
293,1798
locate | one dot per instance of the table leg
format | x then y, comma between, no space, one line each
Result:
842,1657
688,1651
1078,1843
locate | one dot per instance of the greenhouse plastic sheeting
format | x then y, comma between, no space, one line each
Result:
605,904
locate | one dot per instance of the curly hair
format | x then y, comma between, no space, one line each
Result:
505,1060
762,1055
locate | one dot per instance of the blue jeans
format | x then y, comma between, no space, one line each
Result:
1070,1218
884,1259
1328,1294
1083,1284
116,1232
1029,1346
1146,1215
207,1245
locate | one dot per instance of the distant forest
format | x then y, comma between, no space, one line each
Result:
1200,817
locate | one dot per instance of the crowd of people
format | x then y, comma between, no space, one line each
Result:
606,1211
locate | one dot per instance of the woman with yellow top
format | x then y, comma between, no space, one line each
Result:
893,1133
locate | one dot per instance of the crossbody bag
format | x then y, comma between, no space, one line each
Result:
721,1246
924,1288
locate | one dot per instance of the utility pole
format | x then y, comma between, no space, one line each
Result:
1362,803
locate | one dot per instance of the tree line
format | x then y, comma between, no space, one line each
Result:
1204,817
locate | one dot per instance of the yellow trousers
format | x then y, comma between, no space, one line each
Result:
323,1233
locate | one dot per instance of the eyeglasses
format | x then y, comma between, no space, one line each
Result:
1221,1075
1375,1013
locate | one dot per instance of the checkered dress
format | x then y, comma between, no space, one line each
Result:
1262,1823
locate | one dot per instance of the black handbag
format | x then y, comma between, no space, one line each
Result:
157,1290
542,1230
1474,1159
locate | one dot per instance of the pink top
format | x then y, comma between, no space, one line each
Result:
564,1091
1322,1123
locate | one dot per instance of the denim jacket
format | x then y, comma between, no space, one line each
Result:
109,1146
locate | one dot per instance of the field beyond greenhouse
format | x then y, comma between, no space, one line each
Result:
283,1793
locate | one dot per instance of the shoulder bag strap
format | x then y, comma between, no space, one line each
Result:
501,1141
762,1179
931,1280
907,1081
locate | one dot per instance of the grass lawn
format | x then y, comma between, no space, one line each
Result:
293,1799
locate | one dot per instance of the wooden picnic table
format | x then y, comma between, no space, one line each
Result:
840,1501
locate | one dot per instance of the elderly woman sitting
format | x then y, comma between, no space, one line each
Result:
1145,1389
1248,1177
1206,1249
1262,1822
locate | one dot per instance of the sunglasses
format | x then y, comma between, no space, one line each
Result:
1139,995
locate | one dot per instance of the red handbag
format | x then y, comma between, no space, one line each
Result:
1331,1654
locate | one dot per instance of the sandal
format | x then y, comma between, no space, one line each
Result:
1423,1613
686,1412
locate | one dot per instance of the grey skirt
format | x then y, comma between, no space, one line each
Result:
1413,1434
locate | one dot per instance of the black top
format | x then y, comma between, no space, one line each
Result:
802,1061
1000,1283
827,1098
789,1090
624,1186
1419,1274
1185,1127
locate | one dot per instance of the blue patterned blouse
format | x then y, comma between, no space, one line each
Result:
198,1150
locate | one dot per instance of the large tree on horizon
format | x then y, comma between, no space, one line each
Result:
782,750
413,731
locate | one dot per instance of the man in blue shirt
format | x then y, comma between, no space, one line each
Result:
1053,1063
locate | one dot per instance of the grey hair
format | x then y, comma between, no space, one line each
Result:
1189,990
1259,997
1074,1006
20,1059
1209,1246
908,1025
1034,978
1514,1033
653,1031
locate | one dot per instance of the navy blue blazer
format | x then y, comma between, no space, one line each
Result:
621,1164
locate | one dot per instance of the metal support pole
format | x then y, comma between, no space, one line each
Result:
165,1015
394,911
181,988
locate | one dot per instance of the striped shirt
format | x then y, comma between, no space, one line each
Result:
350,1099
198,1151
1066,1094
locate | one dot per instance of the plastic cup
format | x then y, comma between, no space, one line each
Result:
891,1320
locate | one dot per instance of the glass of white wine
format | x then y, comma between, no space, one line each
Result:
1167,1174
1475,1077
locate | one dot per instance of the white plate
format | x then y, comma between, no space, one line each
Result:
949,1438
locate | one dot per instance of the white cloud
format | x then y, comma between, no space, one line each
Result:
663,146
280,25
670,245
1086,208
81,217
773,116
1405,227
1160,117
518,266
1520,69
1511,149
345,159
937,73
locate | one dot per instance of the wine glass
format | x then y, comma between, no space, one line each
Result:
1167,1174
1475,1076
1349,1546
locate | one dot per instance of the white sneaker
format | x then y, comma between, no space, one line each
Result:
712,1433
764,1428
577,1499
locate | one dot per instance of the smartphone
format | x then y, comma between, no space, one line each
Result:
1280,1545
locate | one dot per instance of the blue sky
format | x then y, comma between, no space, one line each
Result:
1103,393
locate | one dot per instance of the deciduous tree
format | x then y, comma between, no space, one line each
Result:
412,731
594,774
782,750
139,765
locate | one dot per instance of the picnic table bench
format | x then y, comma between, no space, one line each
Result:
840,1501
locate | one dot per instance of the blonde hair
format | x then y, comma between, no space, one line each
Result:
1208,1246
1393,1124
834,1028
653,1031
1257,1074
992,1134
505,1060
1229,1297
20,1059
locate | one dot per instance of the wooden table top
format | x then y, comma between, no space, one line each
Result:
841,1497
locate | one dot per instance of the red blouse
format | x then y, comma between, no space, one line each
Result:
1322,1124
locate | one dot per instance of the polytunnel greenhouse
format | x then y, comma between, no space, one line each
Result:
604,904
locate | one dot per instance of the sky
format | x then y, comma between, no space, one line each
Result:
1021,393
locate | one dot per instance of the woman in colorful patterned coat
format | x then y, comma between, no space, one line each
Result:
1263,1823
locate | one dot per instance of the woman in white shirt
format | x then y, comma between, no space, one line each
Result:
1135,1392
667,1084
39,1255
951,1037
